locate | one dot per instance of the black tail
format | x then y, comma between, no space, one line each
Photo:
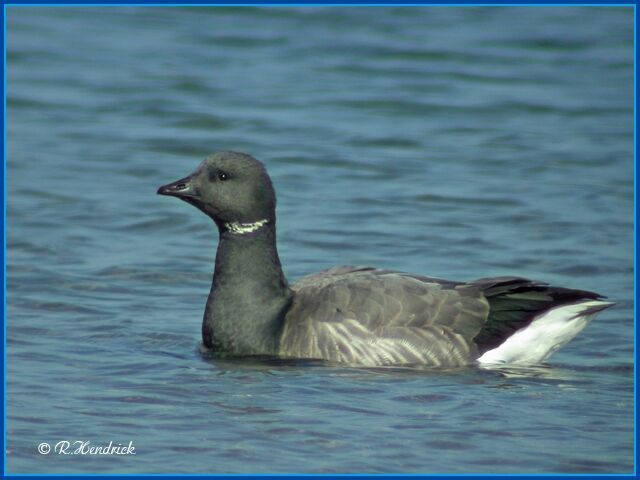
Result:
514,303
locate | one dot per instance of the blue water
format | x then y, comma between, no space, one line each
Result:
449,141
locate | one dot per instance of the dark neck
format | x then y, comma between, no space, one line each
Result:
249,295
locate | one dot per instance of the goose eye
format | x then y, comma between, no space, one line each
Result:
222,176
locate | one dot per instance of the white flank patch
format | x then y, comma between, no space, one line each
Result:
542,337
241,228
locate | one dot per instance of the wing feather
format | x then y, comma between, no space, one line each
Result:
378,317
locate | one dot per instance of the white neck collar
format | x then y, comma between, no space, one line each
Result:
242,228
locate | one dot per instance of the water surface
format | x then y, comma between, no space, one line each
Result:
453,142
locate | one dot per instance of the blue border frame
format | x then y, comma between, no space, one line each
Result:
335,3
635,238
28,3
4,239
